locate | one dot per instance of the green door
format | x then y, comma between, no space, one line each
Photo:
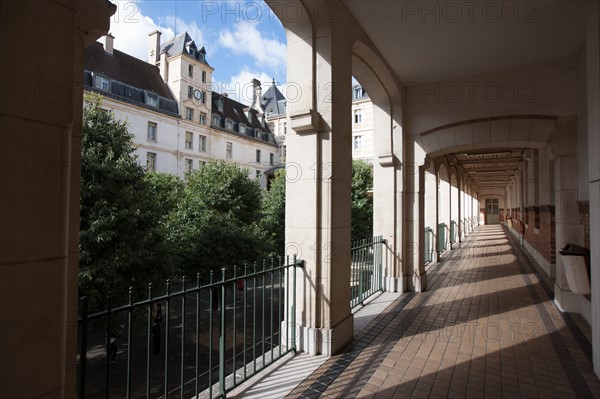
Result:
491,211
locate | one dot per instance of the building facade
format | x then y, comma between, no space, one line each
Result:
178,122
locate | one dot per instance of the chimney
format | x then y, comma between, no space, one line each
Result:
108,43
256,96
164,67
154,49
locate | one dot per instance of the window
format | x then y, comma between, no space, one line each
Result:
151,131
258,175
189,140
229,150
357,142
189,114
358,93
202,118
242,128
152,99
215,120
102,83
357,116
202,143
271,159
228,124
191,51
203,97
191,71
220,105
150,162
189,165
190,91
204,76
258,156
201,164
284,128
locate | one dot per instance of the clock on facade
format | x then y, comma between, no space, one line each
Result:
197,94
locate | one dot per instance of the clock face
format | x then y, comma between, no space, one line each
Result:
197,94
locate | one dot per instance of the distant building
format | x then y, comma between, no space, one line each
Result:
178,122
274,105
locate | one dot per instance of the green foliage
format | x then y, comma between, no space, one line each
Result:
273,214
121,239
216,223
362,202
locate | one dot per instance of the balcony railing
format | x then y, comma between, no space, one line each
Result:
442,237
201,341
366,276
428,241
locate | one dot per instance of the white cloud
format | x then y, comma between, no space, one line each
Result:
240,86
131,28
245,38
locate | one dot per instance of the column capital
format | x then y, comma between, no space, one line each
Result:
306,122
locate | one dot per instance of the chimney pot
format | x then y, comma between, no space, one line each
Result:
108,43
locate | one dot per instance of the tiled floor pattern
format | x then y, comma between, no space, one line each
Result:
486,327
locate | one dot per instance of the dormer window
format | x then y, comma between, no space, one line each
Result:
215,120
228,124
152,99
220,105
192,52
242,128
102,83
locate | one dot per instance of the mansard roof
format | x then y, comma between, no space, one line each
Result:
130,78
238,113
182,44
273,101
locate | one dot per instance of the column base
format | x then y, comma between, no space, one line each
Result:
416,283
567,301
393,284
325,341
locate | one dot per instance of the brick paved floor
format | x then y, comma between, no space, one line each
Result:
486,327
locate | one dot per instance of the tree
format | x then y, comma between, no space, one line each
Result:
216,223
273,218
362,202
121,239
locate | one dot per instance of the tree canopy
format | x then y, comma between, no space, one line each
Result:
121,239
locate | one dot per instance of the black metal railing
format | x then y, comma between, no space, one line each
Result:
366,276
202,339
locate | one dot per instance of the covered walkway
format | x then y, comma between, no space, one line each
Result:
486,327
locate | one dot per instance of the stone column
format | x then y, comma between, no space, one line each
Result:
387,195
567,222
40,155
319,173
593,124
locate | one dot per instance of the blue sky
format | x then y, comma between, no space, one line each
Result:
243,38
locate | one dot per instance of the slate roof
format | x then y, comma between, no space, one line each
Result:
179,44
273,101
236,112
130,77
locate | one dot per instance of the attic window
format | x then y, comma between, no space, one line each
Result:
220,105
228,124
152,99
102,83
191,51
201,56
242,128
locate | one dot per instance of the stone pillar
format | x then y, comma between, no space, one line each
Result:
567,222
415,278
593,124
40,154
319,173
387,196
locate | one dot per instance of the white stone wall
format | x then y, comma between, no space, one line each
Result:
169,146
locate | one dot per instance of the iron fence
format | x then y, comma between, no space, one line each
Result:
366,276
428,241
215,335
442,240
